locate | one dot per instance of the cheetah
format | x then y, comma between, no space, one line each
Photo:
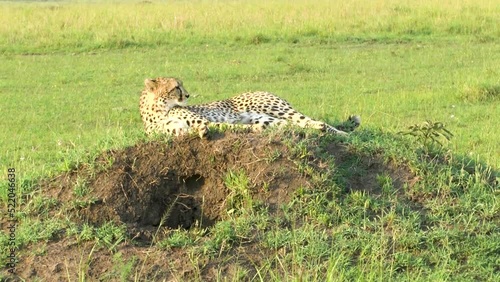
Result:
164,109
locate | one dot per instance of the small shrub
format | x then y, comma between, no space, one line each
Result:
429,133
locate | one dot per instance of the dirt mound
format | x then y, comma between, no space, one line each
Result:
184,182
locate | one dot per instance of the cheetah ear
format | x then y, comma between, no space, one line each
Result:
150,83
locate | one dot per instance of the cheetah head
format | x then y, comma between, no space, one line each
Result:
168,91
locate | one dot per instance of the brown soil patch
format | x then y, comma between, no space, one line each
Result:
182,181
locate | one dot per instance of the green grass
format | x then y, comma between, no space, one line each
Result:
88,102
76,27
71,74
395,81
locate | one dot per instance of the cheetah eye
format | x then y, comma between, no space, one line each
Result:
178,88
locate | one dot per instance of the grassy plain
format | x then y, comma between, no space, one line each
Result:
71,73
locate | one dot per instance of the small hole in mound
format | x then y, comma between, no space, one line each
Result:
194,183
178,201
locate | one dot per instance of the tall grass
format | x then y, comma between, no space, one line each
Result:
86,26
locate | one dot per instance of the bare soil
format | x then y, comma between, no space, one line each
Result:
182,181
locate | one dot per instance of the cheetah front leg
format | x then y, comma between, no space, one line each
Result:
178,127
180,121
235,126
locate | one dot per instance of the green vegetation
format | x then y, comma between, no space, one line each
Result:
429,133
63,27
71,74
392,82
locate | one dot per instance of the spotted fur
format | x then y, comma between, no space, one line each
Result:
163,109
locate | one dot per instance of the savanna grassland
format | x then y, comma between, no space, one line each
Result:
381,206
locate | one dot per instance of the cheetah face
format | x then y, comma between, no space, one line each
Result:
169,92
